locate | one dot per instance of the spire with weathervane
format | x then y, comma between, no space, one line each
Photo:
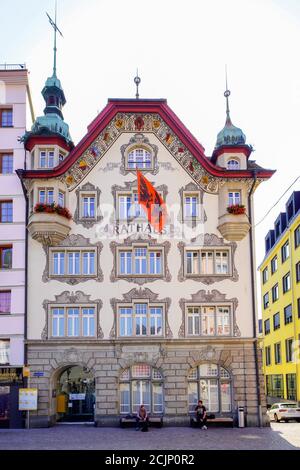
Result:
230,134
52,123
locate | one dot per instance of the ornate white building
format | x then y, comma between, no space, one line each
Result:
117,314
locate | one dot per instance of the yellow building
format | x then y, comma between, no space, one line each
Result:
280,291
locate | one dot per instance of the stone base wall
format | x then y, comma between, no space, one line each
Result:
174,359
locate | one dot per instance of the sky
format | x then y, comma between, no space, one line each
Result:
180,49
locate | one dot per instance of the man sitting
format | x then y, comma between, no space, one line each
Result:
200,411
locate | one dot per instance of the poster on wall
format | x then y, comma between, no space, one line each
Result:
28,399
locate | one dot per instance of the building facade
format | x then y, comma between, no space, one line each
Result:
118,314
16,113
280,290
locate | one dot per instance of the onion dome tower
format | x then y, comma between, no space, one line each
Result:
231,150
50,130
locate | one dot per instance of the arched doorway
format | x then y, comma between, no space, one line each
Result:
75,395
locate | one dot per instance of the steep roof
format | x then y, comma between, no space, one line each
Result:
144,107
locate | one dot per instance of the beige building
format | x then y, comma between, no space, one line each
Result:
118,314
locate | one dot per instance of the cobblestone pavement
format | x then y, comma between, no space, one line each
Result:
281,436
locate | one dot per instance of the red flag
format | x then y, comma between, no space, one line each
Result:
152,202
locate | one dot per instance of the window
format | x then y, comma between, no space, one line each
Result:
141,385
298,307
6,257
74,263
234,197
276,321
5,301
298,271
288,314
73,321
297,237
140,319
265,275
275,293
211,384
129,207
140,261
274,386
6,211
46,158
6,164
6,117
266,300
88,206
274,264
139,158
233,164
277,353
267,326
208,321
61,198
291,387
46,195
4,351
191,206
268,355
285,252
61,157
286,283
203,262
289,356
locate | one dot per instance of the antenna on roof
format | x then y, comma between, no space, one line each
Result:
53,24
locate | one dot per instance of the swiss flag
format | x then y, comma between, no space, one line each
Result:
152,202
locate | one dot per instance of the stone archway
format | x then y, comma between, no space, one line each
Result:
73,394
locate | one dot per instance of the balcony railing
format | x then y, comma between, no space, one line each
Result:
12,66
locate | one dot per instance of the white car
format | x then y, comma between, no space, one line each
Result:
284,411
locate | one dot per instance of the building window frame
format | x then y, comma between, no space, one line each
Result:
3,264
139,141
137,319
291,386
5,302
46,158
285,251
210,313
6,212
6,163
69,301
297,236
277,353
88,190
6,117
151,246
131,381
288,314
234,196
276,321
275,292
268,359
297,268
233,164
73,244
266,300
267,326
286,282
274,264
145,297
289,352
208,378
4,351
265,275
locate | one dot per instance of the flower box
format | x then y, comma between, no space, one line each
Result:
53,209
236,209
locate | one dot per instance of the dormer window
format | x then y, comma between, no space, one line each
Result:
139,158
46,159
233,164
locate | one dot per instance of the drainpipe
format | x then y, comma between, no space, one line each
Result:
255,343
19,173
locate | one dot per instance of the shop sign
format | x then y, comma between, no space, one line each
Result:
38,373
10,374
77,396
28,399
